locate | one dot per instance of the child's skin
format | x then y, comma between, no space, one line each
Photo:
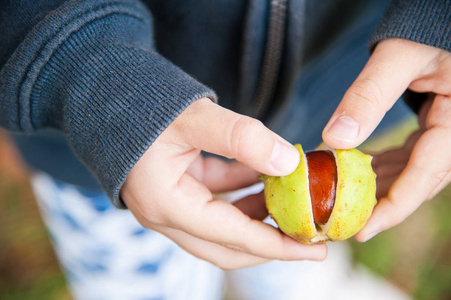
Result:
171,188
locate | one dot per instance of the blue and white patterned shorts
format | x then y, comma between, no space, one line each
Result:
107,254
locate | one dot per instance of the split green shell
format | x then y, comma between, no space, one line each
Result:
289,204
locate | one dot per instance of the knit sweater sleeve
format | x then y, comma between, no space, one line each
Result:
423,21
90,69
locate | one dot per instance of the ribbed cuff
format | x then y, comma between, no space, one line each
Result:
424,21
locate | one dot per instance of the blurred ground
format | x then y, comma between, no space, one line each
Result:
415,256
28,267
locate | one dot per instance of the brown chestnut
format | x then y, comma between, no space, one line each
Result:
322,175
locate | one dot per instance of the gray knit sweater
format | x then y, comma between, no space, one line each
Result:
89,85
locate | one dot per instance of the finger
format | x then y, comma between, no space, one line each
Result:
439,76
387,170
393,156
208,126
220,176
423,112
426,171
222,257
254,206
397,155
192,210
381,83
439,113
383,185
219,222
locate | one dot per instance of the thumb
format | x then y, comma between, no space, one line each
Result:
391,68
209,127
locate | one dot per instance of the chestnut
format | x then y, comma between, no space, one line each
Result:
329,197
322,177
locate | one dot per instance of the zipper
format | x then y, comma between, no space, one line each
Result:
272,56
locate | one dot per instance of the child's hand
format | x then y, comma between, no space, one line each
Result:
170,189
395,66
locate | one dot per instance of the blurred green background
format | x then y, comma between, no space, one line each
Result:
415,256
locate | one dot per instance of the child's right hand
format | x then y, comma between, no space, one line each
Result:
170,189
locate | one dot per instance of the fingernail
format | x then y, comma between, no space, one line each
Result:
344,128
371,235
321,254
284,157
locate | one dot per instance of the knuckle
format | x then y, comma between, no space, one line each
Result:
437,182
151,220
439,112
151,216
437,178
242,130
398,208
235,247
431,181
367,90
142,212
